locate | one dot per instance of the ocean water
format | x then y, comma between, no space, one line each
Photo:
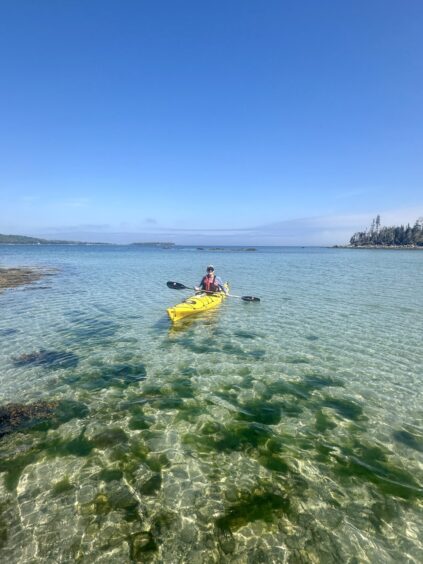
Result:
289,430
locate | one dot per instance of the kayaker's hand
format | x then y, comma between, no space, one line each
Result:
196,288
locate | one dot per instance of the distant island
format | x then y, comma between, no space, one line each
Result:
24,240
394,237
156,244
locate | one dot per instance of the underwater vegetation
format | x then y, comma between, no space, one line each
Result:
48,359
119,375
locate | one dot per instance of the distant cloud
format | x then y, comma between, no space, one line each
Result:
150,221
78,228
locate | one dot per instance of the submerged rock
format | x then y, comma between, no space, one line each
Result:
15,416
13,277
41,414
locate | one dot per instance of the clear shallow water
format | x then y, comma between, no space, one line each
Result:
285,431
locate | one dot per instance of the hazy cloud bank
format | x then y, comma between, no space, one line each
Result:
319,230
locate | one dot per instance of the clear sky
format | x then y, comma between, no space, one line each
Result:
236,121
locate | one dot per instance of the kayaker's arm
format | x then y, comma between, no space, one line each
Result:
219,282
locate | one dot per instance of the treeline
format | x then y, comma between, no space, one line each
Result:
401,236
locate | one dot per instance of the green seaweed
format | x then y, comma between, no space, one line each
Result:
62,486
4,535
152,485
110,437
140,545
371,464
48,359
345,408
408,439
110,474
138,423
258,506
260,412
116,375
238,436
13,467
272,462
323,423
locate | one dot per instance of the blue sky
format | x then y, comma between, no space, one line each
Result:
210,122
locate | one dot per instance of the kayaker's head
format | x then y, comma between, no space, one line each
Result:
210,270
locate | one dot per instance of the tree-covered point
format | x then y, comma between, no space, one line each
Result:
400,236
24,240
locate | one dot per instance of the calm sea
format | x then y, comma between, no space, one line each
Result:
288,430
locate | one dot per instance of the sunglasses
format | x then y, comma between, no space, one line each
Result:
210,270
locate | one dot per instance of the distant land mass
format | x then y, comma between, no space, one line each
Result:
165,245
394,237
24,240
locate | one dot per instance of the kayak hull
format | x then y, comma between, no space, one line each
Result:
196,304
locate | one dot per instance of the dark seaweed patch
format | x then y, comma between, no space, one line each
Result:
371,463
345,408
263,506
110,437
116,375
13,467
110,474
245,335
282,387
257,354
48,359
274,463
317,381
297,360
241,435
189,411
79,446
408,439
312,337
260,412
8,332
236,436
141,545
181,388
323,423
152,485
138,423
62,487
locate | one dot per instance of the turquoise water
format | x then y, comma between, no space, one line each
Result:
285,431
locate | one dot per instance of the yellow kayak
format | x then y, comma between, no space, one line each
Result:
196,304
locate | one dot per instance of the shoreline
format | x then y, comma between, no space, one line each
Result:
14,277
380,247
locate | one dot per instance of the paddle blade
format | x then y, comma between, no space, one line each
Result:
250,299
176,286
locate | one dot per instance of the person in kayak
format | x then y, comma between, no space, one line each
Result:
210,282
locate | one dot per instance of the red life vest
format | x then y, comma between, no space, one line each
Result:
209,284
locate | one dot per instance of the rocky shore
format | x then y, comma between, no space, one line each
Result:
13,277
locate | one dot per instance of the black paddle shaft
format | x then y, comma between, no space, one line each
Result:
179,286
